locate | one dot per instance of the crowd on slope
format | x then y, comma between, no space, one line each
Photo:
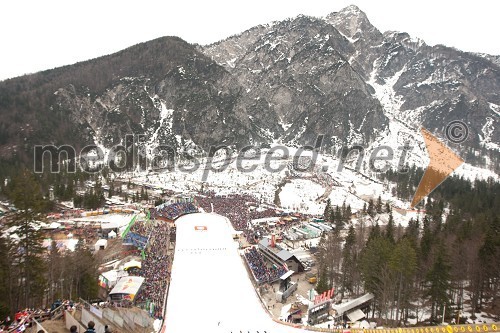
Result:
172,211
260,214
234,207
155,268
259,268
142,228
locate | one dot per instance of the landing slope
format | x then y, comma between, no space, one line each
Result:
210,289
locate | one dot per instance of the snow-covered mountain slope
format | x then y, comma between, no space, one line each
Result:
285,82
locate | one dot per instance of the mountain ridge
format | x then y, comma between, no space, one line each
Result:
288,81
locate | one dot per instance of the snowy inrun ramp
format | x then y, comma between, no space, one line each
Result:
210,290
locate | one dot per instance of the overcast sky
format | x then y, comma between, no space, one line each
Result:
43,34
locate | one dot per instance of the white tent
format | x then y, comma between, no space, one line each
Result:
101,244
112,234
53,225
108,279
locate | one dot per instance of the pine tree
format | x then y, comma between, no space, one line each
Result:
374,232
322,284
26,195
339,220
348,262
85,272
427,239
403,264
332,217
54,261
379,205
387,207
348,213
489,254
371,208
377,276
330,255
412,232
438,279
389,232
6,261
327,211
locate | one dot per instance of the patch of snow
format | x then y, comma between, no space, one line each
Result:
495,108
487,130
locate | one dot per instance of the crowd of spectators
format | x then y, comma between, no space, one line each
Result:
234,207
23,319
142,228
260,270
260,214
174,210
87,231
155,268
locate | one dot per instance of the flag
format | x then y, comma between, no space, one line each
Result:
333,292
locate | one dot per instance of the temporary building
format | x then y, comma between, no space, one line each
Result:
126,288
101,244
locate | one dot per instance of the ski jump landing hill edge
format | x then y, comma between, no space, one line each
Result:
210,289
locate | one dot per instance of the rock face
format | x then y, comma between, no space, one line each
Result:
288,81
346,63
298,83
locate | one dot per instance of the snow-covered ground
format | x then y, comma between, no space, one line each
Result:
306,195
301,195
210,289
108,221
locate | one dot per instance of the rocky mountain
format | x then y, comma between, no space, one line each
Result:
298,79
287,81
133,91
416,84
